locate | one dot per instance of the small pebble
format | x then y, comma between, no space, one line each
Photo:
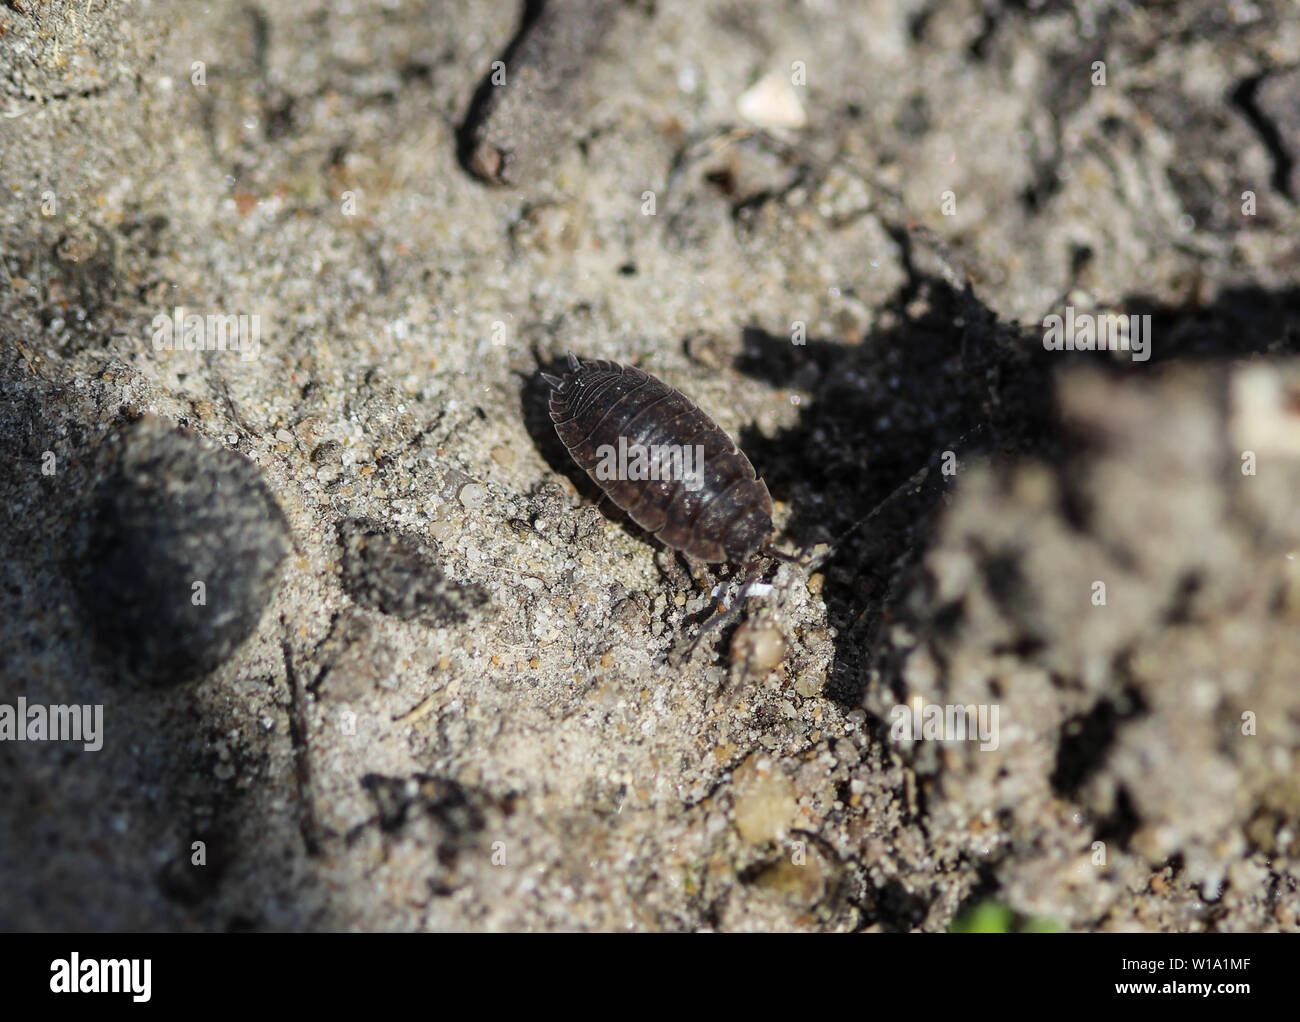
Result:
772,103
473,495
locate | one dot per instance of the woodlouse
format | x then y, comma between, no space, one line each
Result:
722,513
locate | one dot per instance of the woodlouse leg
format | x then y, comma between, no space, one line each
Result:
725,613
793,557
699,571
675,572
685,649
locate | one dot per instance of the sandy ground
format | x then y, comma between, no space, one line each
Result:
369,652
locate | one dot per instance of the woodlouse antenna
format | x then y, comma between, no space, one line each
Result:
913,481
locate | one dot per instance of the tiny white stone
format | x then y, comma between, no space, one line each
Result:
473,495
771,103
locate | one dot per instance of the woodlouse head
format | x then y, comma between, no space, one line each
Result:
751,534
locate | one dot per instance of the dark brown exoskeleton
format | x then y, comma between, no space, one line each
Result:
722,513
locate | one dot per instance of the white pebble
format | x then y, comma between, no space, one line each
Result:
473,495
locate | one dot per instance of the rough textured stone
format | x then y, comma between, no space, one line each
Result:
855,299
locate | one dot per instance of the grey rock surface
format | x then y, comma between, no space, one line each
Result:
850,277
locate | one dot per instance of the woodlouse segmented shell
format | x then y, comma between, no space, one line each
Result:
723,514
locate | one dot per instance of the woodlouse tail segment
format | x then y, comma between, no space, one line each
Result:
557,382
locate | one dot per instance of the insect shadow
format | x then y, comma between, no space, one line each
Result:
872,417
947,377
